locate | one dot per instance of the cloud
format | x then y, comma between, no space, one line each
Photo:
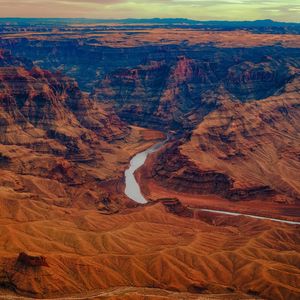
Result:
286,10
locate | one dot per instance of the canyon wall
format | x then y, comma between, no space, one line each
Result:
230,100
55,142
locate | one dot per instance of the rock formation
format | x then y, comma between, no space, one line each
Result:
53,136
31,261
240,151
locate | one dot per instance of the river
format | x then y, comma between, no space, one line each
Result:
133,190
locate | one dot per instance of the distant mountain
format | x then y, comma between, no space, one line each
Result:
256,23
164,21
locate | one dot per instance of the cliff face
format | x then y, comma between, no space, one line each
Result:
177,93
54,137
181,86
48,114
163,81
7,59
174,170
52,101
240,151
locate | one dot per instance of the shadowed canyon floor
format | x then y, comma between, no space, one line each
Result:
77,102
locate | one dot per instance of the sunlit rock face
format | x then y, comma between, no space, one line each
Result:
53,103
240,150
48,127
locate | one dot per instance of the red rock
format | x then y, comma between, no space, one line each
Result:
32,261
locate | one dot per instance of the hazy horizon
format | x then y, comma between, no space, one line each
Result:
150,18
202,10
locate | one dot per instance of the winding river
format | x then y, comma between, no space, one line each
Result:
133,190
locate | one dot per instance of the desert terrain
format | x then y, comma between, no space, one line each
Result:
78,101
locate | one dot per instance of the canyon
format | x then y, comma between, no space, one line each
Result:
78,102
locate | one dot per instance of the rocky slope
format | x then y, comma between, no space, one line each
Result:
249,65
152,247
159,77
56,144
178,93
241,151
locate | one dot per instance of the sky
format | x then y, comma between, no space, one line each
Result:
280,10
